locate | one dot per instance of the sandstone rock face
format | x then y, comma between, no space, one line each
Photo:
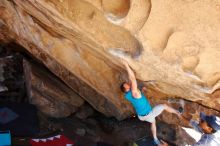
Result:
172,45
48,93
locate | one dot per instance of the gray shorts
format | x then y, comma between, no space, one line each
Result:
156,111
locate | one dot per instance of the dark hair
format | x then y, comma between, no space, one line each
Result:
122,87
213,130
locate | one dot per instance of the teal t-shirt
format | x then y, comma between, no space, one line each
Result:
141,105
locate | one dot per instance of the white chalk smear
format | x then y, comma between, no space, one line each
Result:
118,52
114,19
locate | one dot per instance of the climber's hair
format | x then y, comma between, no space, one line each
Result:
213,130
122,87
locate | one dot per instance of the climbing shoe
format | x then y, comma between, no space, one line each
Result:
157,142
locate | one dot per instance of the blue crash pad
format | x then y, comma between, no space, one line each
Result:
5,138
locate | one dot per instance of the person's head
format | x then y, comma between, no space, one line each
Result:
209,124
125,87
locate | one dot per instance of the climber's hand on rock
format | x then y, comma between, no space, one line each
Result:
163,143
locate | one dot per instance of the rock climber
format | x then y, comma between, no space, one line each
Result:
141,104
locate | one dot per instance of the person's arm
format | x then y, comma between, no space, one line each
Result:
132,78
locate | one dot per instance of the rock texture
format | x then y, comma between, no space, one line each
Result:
48,93
173,46
12,86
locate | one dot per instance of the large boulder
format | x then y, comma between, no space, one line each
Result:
173,46
48,93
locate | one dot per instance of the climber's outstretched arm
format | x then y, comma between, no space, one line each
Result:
132,78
